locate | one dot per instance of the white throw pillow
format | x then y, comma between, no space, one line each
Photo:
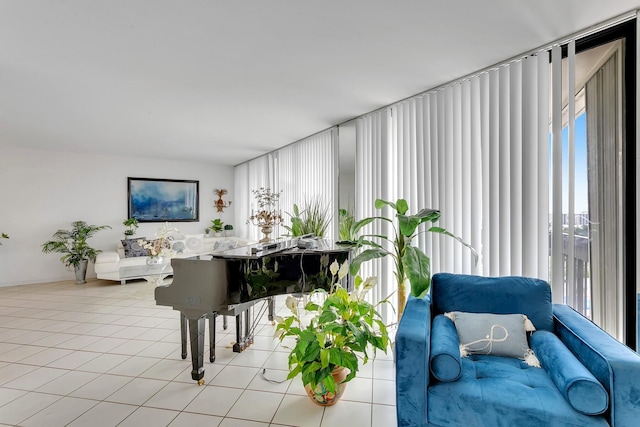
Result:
194,243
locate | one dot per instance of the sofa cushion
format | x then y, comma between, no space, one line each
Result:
132,248
575,382
444,361
487,333
502,391
499,295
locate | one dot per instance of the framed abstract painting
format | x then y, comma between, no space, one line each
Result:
161,200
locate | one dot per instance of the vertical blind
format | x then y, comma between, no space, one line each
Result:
250,176
477,150
302,171
307,171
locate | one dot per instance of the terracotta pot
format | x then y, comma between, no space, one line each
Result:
320,396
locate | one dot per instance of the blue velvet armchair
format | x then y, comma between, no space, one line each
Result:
584,376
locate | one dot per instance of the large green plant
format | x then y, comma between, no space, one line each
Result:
313,219
345,328
73,243
411,263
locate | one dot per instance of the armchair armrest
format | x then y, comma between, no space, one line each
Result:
412,362
107,262
615,365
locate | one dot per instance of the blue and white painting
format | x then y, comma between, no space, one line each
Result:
153,200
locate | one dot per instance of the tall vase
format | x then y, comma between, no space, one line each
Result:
81,272
402,297
266,230
320,396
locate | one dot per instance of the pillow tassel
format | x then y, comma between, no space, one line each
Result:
463,351
531,359
528,325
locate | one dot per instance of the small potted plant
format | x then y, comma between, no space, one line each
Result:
228,230
132,226
73,244
344,330
217,226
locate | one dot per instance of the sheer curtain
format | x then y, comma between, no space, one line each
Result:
604,153
477,150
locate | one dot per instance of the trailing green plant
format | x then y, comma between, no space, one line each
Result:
73,243
344,330
216,225
345,225
3,236
313,219
410,262
132,226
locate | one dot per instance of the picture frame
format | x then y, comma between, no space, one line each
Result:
162,200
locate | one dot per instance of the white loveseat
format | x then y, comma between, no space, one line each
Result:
109,263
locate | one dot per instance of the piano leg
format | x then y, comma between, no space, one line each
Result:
212,337
183,334
196,335
225,323
239,346
247,326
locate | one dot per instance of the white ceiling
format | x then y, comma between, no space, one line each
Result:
226,81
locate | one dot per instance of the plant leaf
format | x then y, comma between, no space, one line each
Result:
408,224
441,230
359,224
366,255
418,268
379,204
402,206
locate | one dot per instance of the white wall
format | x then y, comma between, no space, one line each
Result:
43,191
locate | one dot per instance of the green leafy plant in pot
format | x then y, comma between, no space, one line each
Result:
313,219
411,263
73,244
343,331
217,225
132,226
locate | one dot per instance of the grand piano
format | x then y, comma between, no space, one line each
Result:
229,283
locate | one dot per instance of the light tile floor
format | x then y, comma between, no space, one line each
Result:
103,354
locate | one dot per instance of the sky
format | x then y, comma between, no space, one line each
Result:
581,198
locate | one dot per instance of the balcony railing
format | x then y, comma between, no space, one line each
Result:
578,293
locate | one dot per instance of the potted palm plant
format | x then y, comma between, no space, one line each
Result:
412,265
73,244
343,331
